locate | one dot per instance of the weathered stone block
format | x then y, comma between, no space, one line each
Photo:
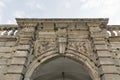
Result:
3,69
19,61
3,61
106,61
16,69
110,77
78,37
6,49
14,77
118,55
115,45
95,29
2,43
7,44
24,41
108,69
51,26
23,47
101,47
98,39
10,43
5,55
97,35
74,32
103,54
26,35
99,42
117,62
21,54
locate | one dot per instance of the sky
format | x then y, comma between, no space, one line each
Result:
11,9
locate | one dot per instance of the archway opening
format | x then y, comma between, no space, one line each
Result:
61,68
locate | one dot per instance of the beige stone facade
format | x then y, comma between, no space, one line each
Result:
60,49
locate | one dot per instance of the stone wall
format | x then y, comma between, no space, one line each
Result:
21,45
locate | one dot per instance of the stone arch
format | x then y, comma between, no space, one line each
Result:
69,54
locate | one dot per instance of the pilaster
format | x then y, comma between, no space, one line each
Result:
106,67
7,47
24,48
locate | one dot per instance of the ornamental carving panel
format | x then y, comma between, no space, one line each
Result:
82,47
43,46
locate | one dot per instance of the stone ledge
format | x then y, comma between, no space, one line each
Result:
62,20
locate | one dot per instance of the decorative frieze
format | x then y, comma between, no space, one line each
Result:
82,47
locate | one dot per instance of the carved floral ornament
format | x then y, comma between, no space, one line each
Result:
83,47
44,46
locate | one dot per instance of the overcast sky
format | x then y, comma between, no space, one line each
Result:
11,9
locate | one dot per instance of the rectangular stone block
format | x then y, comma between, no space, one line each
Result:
23,47
24,41
3,69
2,43
21,54
60,25
19,61
7,44
16,69
81,27
6,49
115,45
78,37
101,47
5,55
103,54
98,39
118,56
99,42
75,32
117,62
13,77
110,77
108,69
105,61
97,35
26,35
48,26
3,61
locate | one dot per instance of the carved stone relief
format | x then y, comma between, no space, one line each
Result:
62,39
44,46
83,47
